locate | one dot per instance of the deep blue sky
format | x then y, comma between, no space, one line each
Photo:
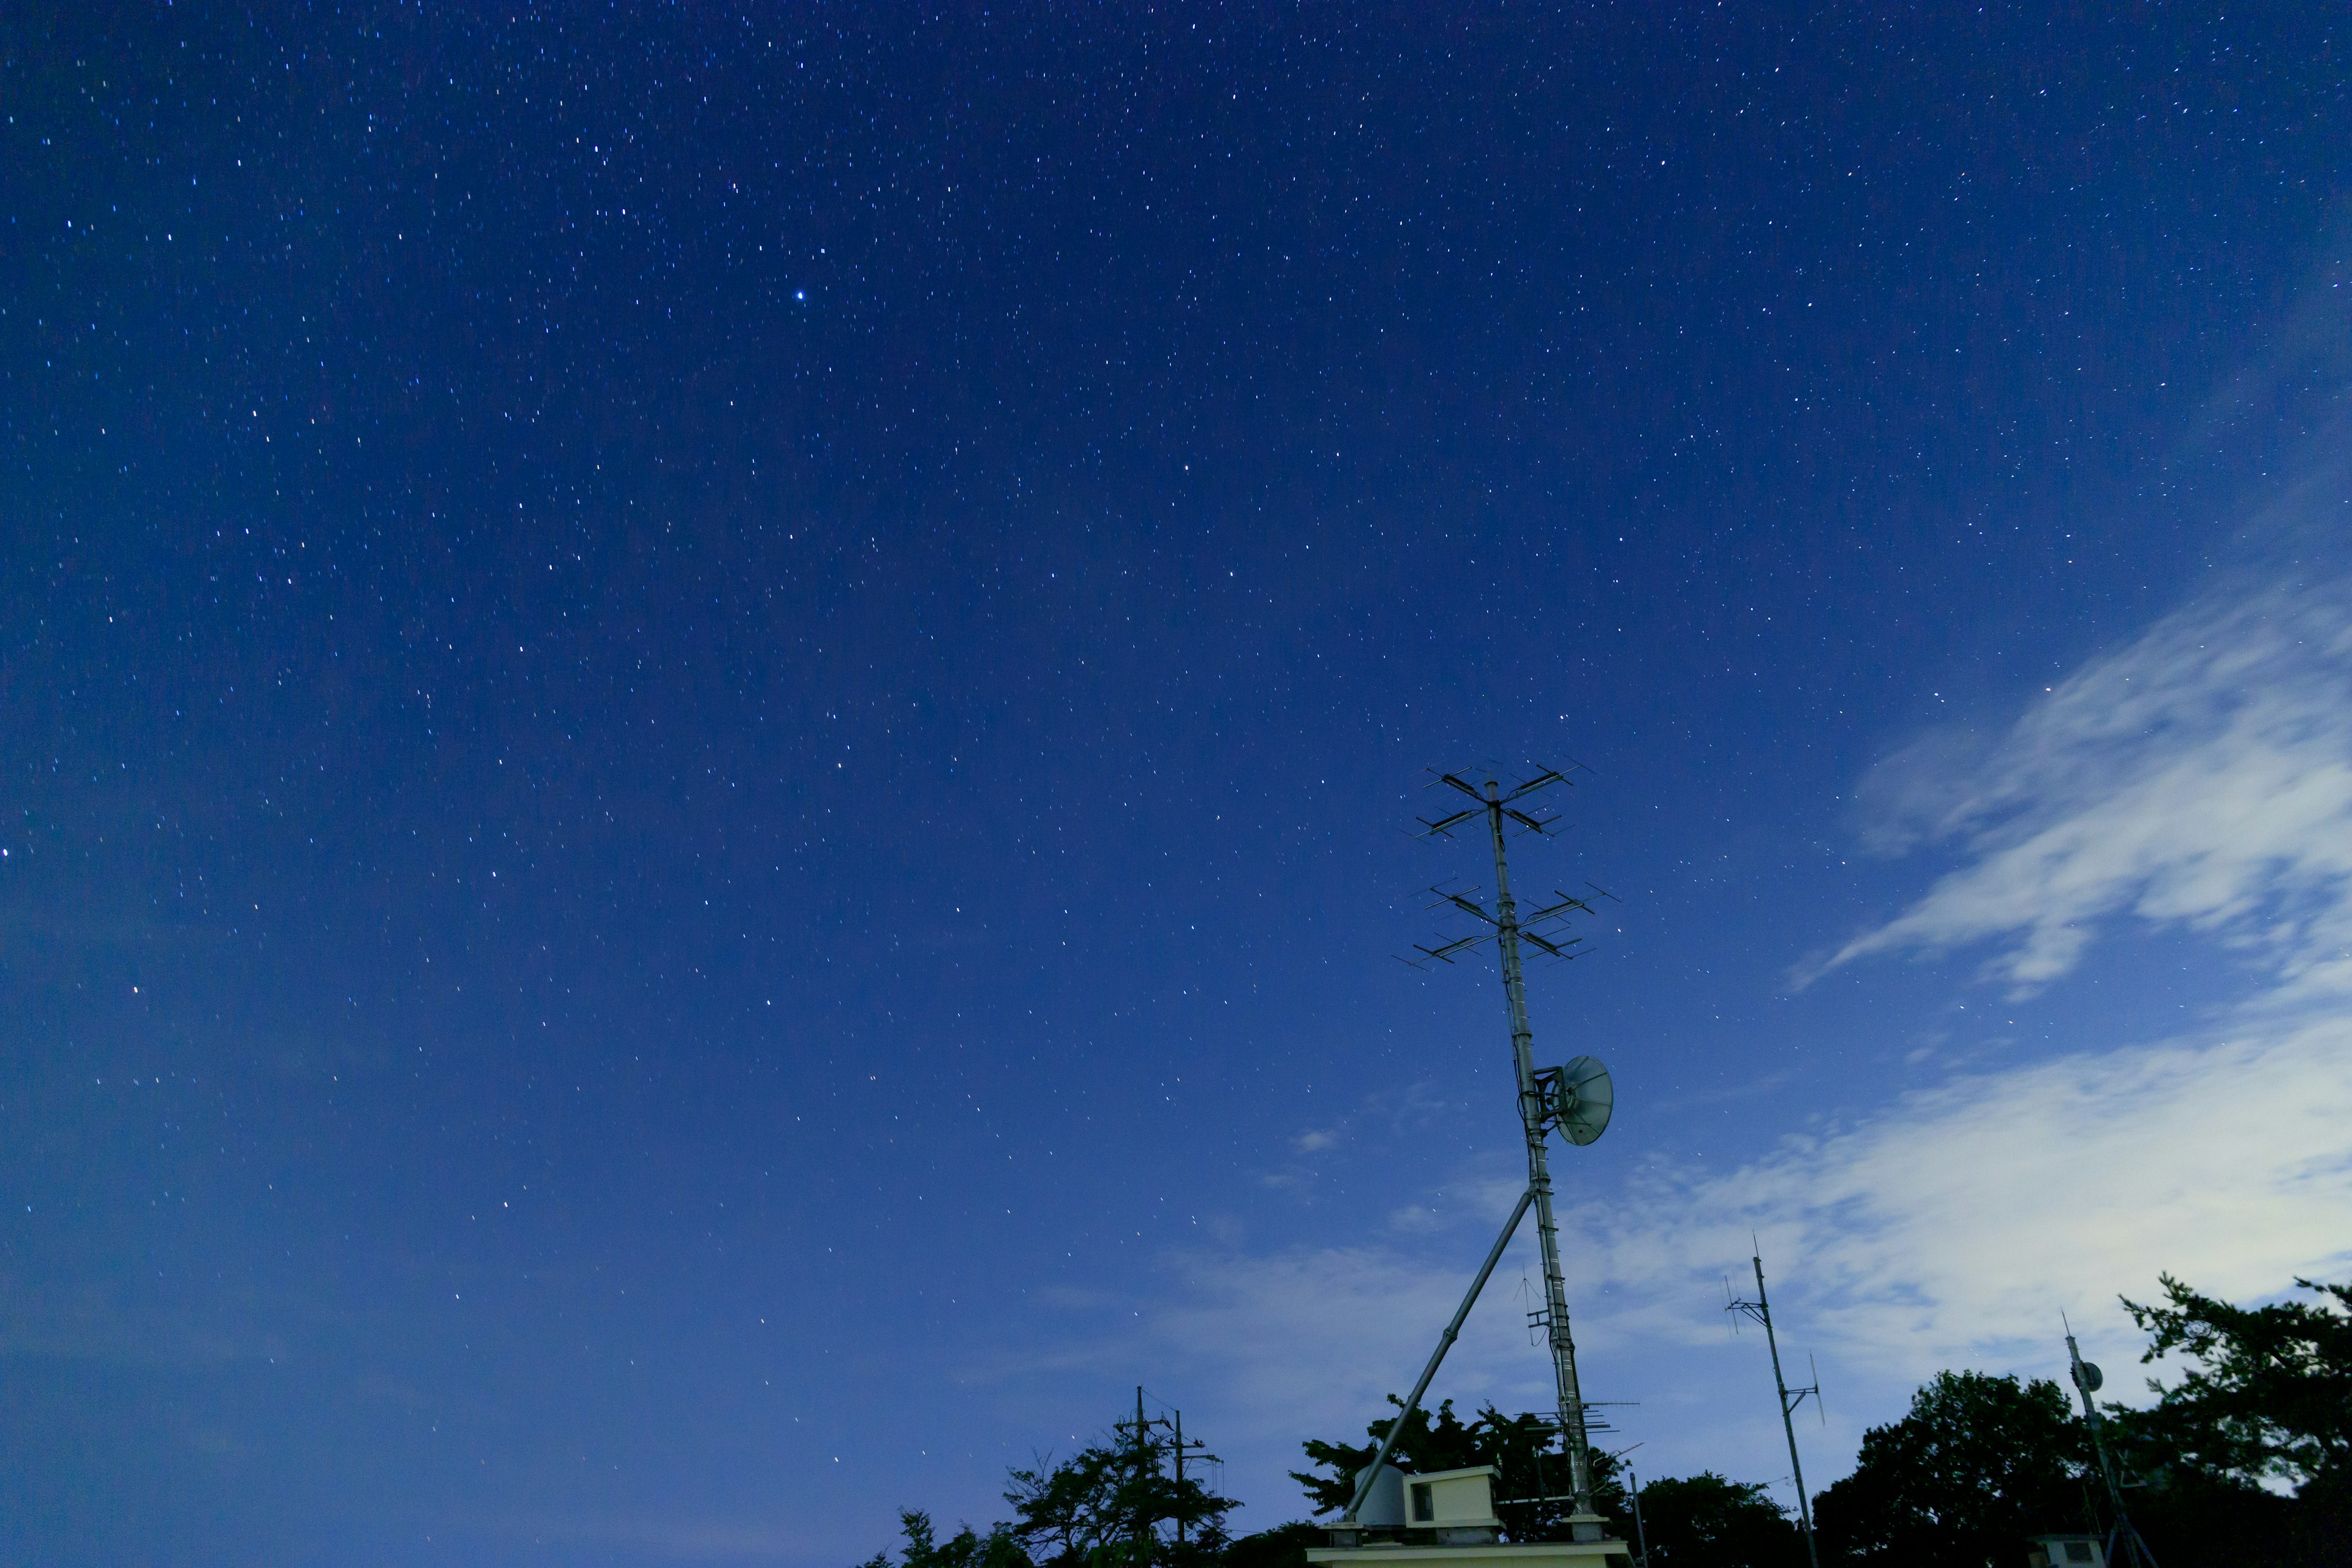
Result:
707,715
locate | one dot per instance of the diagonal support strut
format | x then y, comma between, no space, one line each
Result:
1445,1343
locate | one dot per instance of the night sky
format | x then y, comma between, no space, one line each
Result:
708,719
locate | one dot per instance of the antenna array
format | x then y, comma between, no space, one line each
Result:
1574,1099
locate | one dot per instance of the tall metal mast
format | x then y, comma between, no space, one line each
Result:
1531,1108
1760,1309
1507,932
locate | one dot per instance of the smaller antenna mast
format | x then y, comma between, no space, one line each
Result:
2088,1379
1760,1310
1640,1536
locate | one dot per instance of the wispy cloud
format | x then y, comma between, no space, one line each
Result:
2201,778
1953,1225
1950,1229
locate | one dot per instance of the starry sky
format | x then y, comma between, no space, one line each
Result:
709,716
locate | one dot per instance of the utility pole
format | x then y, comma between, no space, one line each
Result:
1177,1428
1172,1424
1640,1536
1760,1310
1507,932
1182,1448
2088,1379
1142,1468
1139,1532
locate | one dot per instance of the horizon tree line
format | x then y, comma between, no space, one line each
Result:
2247,1452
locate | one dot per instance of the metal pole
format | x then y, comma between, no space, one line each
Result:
1142,1526
2124,1530
1640,1536
1788,1422
1445,1343
1179,1483
1531,1117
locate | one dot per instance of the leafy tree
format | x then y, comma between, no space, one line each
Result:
1979,1463
1110,1505
1116,1505
965,1549
2272,1399
1520,1446
2185,1515
1706,1521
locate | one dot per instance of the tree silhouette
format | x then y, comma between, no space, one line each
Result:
1979,1464
1706,1521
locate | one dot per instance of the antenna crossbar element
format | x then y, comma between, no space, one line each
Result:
1560,910
1471,905
1551,946
1489,801
1557,950
1445,954
1443,827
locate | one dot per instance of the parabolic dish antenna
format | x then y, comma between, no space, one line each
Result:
2088,1375
1581,1098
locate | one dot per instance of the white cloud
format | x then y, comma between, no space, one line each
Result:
1950,1229
2202,777
1953,1227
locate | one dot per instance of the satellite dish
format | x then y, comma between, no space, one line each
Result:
1581,1101
2087,1373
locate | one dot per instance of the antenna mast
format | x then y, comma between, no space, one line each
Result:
2087,1381
1535,1090
1760,1310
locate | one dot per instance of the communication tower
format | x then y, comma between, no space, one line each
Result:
1574,1101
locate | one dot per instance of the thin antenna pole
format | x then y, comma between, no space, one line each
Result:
1760,1309
2124,1531
1179,1429
1142,1509
1640,1536
1585,1525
